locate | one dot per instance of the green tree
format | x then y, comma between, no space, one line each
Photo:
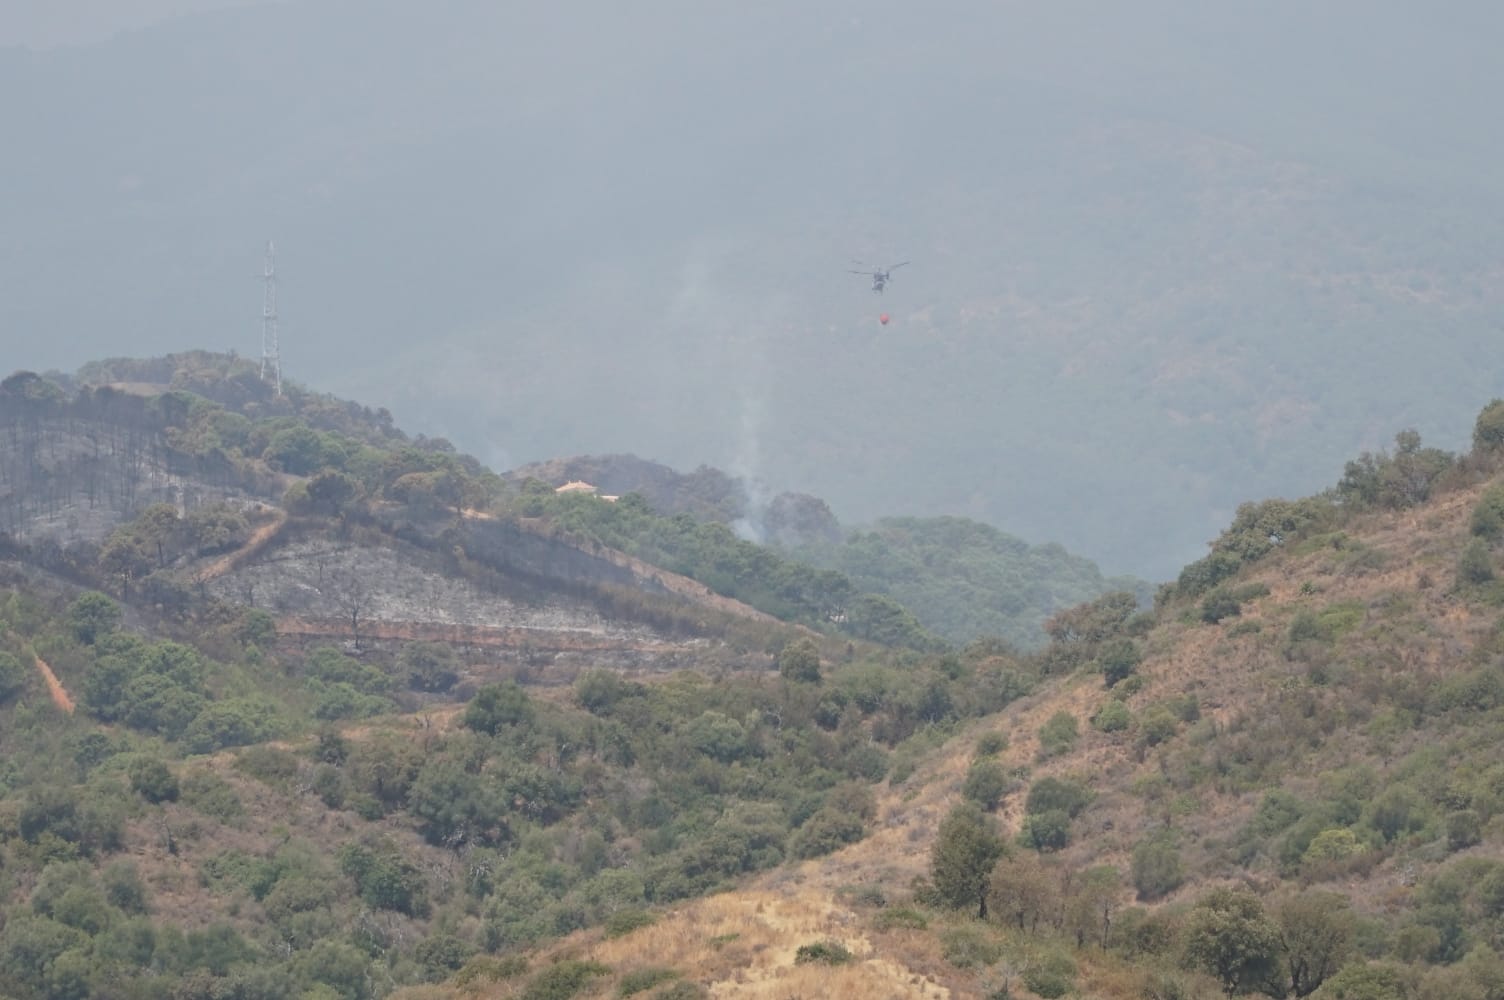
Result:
1366,981
1058,735
1228,935
1488,431
1118,660
12,675
1488,515
331,491
456,806
1112,717
883,620
961,862
124,887
384,879
1316,935
215,528
1476,565
1093,622
92,616
428,666
159,530
986,783
1023,891
1049,830
298,449
29,945
825,831
1051,793
125,556
799,661
338,965
1156,869
1220,604
153,779
496,706
1091,903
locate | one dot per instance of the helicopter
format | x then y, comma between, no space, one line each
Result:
880,275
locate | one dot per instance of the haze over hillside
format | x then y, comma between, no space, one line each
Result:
1166,257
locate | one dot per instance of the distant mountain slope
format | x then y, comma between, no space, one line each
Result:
965,580
961,579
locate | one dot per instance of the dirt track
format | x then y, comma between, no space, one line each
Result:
260,539
55,688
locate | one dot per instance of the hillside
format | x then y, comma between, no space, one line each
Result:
1327,753
321,711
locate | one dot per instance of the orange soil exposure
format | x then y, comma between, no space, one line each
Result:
258,541
54,686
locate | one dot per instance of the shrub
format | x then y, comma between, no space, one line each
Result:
627,920
490,969
269,765
1157,725
1488,515
123,886
1058,734
1052,793
991,744
563,980
1051,977
207,793
1336,844
682,990
903,917
1464,829
1046,831
441,954
384,879
639,980
986,784
968,947
428,666
497,706
1488,431
1476,564
153,780
1219,604
235,722
827,952
1118,660
1112,717
1157,869
826,831
799,661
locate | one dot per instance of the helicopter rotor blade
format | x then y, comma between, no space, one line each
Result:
894,267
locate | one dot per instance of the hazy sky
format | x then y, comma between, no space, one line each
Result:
48,23
1169,255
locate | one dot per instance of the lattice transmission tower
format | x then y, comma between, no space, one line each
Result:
271,361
